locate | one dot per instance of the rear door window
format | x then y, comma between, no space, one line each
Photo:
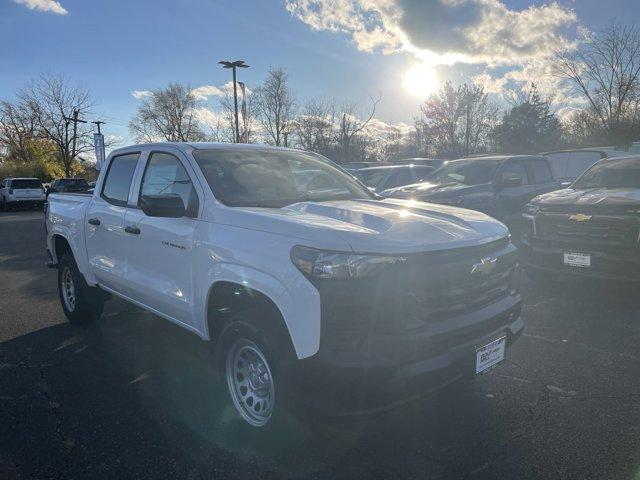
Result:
118,180
516,167
539,170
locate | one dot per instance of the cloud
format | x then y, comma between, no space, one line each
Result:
210,118
138,94
489,83
201,93
443,32
44,6
206,91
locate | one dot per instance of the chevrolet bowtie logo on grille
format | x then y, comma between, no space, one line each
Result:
580,217
484,266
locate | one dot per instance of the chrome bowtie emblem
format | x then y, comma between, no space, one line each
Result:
484,266
580,217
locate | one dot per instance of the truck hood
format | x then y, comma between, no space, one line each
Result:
593,196
376,226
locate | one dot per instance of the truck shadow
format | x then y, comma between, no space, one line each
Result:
138,397
135,396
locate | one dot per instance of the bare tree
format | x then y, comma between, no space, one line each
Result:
479,118
275,106
457,121
18,128
351,124
168,114
227,131
605,71
51,102
314,128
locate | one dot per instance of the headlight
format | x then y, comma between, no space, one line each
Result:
531,209
323,264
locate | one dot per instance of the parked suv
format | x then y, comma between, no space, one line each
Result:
591,228
68,185
498,186
568,165
21,192
358,301
383,178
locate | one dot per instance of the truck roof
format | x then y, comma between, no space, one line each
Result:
184,146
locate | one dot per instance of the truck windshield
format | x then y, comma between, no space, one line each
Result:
271,178
467,172
623,173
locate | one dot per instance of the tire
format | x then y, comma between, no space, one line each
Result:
81,304
3,205
254,375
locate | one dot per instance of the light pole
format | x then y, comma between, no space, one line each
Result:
233,66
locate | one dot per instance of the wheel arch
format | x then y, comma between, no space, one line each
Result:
60,246
294,312
226,299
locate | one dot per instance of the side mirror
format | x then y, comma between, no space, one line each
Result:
167,205
510,180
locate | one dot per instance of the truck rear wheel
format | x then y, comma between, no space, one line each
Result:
81,304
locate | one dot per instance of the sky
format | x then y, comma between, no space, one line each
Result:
400,50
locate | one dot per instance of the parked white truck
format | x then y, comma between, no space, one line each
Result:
298,274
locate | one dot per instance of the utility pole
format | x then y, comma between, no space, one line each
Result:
233,66
75,120
98,123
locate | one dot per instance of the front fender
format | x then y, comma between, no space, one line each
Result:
298,302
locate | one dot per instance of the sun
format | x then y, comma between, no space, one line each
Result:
420,80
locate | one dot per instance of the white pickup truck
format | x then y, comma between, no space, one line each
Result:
298,274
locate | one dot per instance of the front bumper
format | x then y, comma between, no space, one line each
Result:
388,370
608,263
613,257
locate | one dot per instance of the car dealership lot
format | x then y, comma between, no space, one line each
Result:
124,398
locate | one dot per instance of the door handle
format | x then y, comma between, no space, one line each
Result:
93,221
132,230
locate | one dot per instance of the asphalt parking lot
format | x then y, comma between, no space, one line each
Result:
135,397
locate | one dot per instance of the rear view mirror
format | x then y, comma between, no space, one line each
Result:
168,205
510,180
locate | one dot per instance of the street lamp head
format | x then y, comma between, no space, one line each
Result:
237,63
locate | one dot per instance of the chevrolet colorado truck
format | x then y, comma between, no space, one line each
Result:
336,291
591,228
499,186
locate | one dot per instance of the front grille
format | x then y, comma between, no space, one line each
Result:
598,230
426,288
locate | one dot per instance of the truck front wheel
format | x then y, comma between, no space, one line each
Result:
80,303
254,374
